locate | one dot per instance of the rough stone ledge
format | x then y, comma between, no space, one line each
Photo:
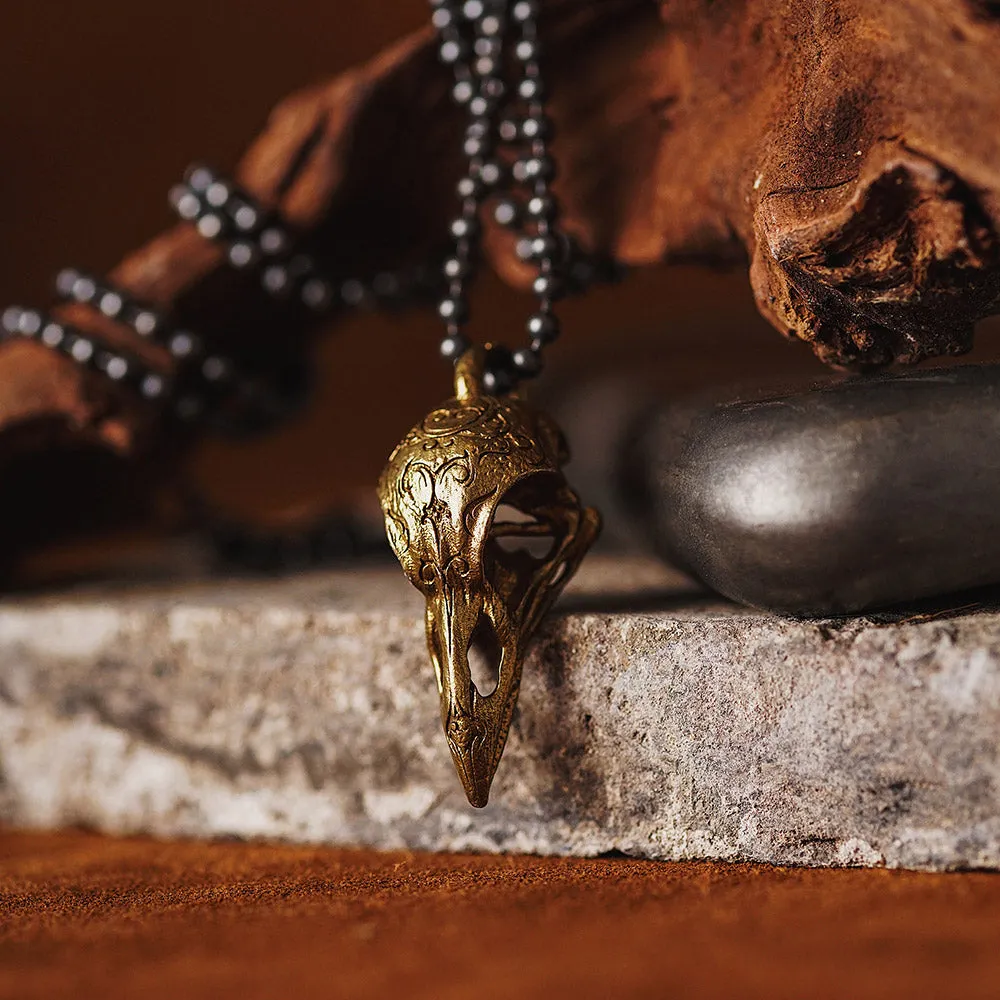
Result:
652,721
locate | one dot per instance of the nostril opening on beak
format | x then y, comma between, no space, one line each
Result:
484,657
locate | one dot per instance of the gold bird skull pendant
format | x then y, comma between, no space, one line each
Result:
441,492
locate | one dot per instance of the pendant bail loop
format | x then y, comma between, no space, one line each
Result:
469,373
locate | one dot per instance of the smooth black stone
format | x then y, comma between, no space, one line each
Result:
864,493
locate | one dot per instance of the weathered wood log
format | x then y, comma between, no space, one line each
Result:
846,149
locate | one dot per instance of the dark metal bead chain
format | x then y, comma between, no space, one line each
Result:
207,385
491,26
119,366
257,238
485,172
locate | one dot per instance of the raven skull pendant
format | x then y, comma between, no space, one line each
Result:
445,492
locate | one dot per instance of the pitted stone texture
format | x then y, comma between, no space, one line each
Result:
652,721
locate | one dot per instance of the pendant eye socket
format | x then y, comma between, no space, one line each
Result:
515,531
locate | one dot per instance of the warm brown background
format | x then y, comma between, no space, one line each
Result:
105,103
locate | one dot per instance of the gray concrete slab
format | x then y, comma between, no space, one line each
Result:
653,721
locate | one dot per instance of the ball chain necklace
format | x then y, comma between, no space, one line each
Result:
446,484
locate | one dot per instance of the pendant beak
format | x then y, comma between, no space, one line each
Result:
475,725
473,760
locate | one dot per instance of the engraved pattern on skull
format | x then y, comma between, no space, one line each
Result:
440,493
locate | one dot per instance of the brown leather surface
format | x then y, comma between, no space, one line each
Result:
86,916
